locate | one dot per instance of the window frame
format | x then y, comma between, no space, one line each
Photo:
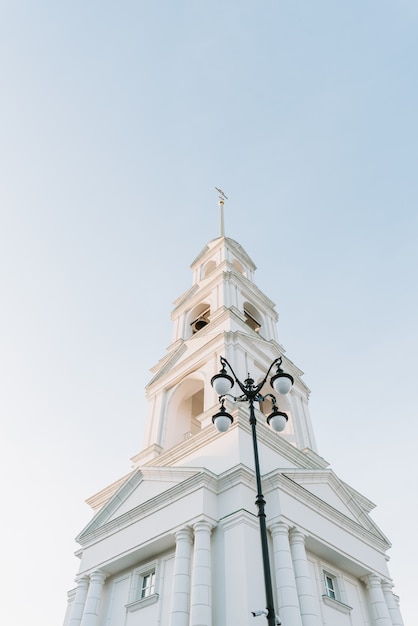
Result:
335,601
136,598
147,585
331,590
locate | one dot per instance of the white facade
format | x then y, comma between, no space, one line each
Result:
176,542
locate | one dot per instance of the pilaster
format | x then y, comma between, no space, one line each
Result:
288,601
180,602
303,579
392,604
378,604
78,604
201,597
94,596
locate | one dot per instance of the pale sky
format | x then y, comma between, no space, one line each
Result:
117,122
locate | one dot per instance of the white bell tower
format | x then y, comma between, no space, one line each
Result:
224,313
176,542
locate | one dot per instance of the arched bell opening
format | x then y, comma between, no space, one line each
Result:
198,318
185,404
253,317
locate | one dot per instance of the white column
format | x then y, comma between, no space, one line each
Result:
391,603
180,602
379,607
201,600
77,605
94,594
288,607
303,579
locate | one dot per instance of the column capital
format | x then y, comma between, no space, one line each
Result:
297,536
372,581
279,527
387,585
184,534
203,526
82,580
98,576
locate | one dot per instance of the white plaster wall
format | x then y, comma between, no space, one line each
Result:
239,589
352,592
118,594
147,616
326,493
164,589
357,598
147,490
234,447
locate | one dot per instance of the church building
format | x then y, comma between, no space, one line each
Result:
176,542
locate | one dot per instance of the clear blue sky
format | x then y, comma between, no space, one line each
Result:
117,121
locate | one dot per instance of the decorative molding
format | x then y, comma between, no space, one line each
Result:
187,294
142,603
165,364
340,489
336,604
151,452
279,479
98,500
242,516
99,527
201,439
227,242
114,501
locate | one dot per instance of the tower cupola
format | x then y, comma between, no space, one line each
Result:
223,313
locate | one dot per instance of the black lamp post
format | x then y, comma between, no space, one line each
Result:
282,383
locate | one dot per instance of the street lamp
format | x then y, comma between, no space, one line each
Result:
282,383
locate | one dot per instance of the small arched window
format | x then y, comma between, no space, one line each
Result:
208,268
238,266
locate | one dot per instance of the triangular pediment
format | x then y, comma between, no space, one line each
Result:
233,245
168,361
142,485
325,486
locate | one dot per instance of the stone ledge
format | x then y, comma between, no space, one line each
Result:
142,603
336,604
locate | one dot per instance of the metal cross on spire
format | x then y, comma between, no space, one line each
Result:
221,202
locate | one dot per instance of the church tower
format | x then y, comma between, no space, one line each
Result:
176,541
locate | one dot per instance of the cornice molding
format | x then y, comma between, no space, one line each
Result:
185,296
99,528
99,499
370,534
167,362
217,243
182,450
237,518
249,285
238,475
361,503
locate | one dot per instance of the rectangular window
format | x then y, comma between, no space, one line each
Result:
330,586
148,585
144,586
